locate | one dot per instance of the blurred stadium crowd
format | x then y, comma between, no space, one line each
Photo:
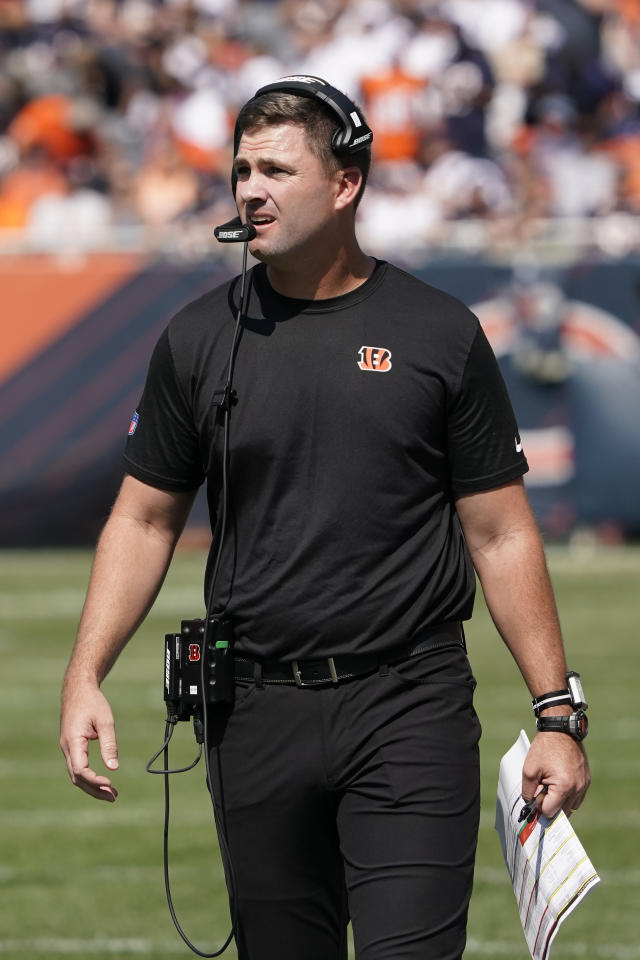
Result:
116,115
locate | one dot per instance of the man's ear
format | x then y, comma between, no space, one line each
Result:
349,183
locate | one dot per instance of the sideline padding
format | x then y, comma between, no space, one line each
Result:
64,414
72,383
41,299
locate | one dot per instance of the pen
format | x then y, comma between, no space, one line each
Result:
533,805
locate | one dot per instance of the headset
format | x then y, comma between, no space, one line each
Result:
188,689
353,133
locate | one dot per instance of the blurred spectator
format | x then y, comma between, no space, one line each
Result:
465,185
77,221
59,125
201,128
394,102
399,215
166,188
37,177
459,75
624,151
576,180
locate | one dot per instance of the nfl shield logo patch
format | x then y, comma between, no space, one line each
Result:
134,423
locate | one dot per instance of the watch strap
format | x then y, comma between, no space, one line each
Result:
575,725
555,698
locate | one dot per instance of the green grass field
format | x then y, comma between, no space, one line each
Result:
83,878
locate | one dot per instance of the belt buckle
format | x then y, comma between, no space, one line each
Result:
297,673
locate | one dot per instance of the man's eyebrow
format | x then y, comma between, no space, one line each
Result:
266,161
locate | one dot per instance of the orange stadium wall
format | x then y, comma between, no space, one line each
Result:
77,338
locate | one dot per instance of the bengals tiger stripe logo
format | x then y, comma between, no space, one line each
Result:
375,359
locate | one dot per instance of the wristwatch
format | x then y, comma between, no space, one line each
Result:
576,725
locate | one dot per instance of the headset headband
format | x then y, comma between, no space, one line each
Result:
353,134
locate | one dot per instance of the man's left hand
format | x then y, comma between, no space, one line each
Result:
558,762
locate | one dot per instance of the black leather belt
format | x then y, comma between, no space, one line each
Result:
309,673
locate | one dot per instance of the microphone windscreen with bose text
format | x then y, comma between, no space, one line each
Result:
234,231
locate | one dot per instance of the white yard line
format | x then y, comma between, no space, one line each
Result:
515,948
620,820
95,819
492,876
65,602
140,947
148,816
121,946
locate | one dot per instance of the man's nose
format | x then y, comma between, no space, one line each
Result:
252,187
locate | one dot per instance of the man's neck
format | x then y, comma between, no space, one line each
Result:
317,281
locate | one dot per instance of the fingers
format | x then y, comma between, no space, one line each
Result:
86,715
557,799
108,745
573,803
92,783
559,763
531,784
82,776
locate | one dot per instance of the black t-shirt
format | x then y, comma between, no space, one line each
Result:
357,422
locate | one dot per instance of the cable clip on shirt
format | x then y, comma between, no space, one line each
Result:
224,398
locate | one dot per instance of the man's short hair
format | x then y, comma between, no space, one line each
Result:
318,122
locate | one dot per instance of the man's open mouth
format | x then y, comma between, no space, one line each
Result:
261,220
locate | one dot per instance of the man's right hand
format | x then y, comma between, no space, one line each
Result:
133,555
86,715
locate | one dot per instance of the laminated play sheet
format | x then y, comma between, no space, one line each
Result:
548,866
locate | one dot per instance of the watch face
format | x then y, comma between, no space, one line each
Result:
579,725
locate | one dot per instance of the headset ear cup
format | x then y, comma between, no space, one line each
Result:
337,142
349,140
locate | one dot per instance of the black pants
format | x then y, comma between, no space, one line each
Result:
358,800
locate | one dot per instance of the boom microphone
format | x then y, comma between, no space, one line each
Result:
234,231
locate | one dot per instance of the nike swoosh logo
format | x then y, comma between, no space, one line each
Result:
518,445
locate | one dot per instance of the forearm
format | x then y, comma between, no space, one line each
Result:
513,573
131,561
506,549
129,567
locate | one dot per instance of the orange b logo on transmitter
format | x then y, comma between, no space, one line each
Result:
375,359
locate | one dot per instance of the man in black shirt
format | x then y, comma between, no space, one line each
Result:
375,467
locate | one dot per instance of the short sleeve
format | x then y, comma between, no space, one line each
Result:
162,448
483,442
